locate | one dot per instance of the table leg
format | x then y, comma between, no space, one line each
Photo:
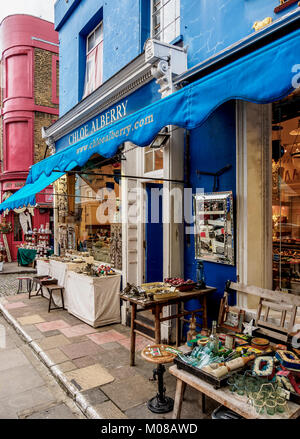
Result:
178,331
180,388
157,324
132,334
204,314
203,402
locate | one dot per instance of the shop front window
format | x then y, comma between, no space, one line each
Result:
286,194
153,159
18,236
97,215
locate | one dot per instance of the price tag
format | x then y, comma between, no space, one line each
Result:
172,289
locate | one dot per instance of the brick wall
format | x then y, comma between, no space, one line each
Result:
43,88
41,120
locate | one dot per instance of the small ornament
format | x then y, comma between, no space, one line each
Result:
249,328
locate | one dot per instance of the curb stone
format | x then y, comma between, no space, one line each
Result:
69,388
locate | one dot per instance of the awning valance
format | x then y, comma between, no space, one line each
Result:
25,196
266,75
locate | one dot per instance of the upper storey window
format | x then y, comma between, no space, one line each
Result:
94,60
165,24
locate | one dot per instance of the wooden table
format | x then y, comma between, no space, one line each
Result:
224,396
156,306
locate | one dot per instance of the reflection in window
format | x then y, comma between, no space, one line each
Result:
97,215
153,159
286,194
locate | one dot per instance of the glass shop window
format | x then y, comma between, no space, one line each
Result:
165,23
94,60
286,194
18,236
153,159
97,214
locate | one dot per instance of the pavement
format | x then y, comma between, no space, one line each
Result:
27,388
91,364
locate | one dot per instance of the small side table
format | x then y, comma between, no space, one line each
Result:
159,403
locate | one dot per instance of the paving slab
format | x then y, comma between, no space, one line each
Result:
10,358
51,333
56,341
84,361
50,326
32,332
78,330
122,372
77,350
130,392
108,410
28,400
106,336
89,377
30,319
19,379
60,411
94,396
57,356
15,305
67,366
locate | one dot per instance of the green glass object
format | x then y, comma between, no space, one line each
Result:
271,406
259,406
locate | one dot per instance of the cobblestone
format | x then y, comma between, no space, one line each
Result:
8,284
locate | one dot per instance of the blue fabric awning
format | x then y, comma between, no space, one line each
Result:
25,196
266,75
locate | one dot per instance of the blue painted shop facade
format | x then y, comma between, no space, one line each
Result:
236,133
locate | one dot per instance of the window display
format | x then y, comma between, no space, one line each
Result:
286,194
96,214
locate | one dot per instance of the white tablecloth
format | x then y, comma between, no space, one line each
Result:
42,267
93,300
58,270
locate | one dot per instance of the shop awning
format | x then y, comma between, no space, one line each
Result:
26,196
266,75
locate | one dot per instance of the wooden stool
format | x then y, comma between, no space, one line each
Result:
159,403
36,282
28,284
51,288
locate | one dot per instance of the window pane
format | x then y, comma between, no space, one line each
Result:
98,34
91,41
149,167
17,228
169,33
156,5
169,13
286,196
177,8
159,163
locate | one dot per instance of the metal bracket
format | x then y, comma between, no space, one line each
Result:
216,176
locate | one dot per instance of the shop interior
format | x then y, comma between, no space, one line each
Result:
286,194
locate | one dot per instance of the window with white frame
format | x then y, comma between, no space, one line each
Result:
165,21
154,159
94,60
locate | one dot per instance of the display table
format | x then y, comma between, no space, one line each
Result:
25,256
224,396
156,306
94,300
58,270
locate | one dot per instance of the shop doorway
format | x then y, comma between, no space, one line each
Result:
15,238
153,243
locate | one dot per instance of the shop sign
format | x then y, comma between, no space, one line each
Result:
137,100
13,185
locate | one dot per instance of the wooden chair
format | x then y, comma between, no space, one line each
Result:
284,303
